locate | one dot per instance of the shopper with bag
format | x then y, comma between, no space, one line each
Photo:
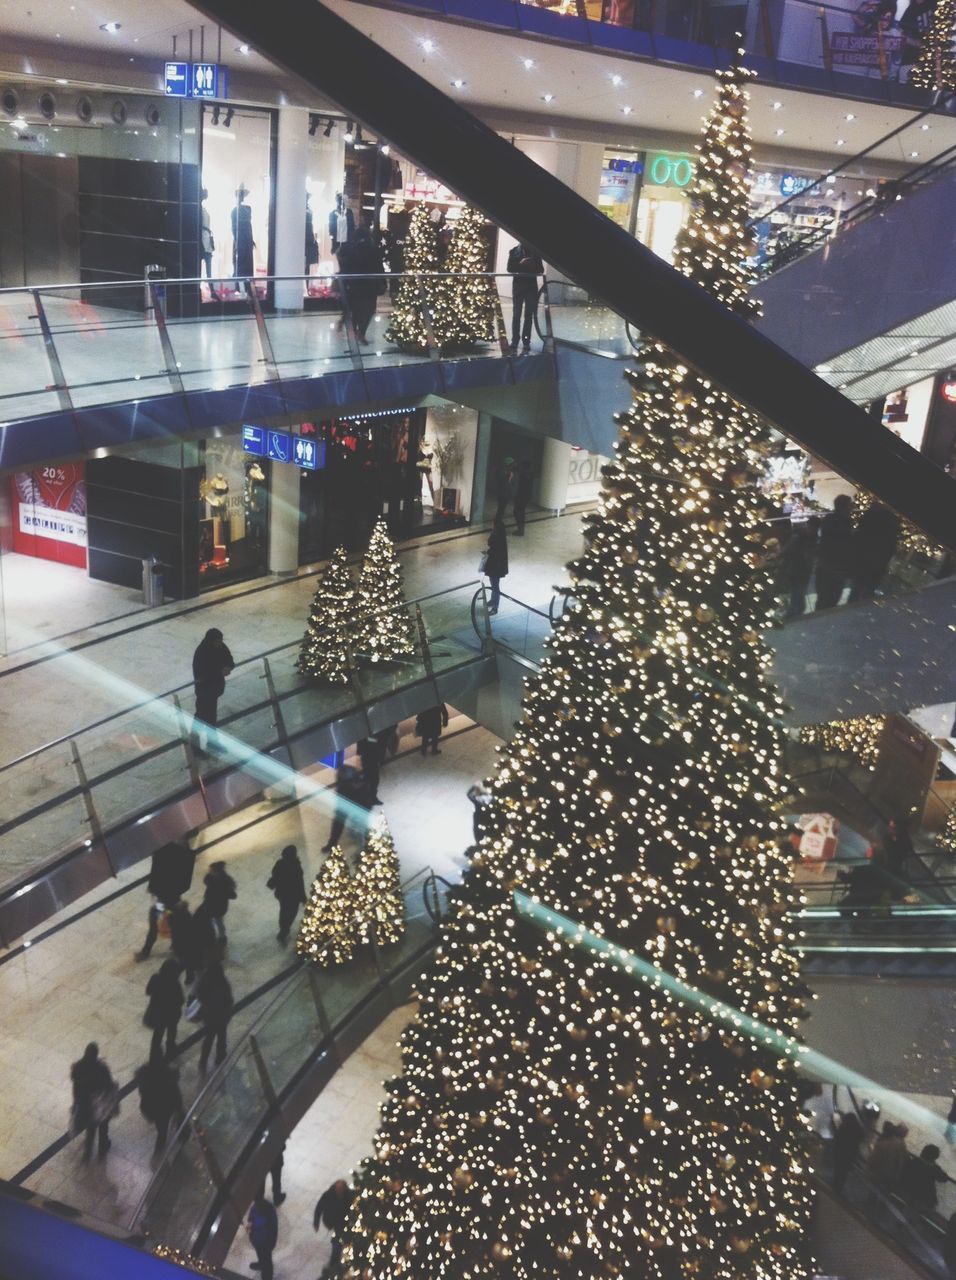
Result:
95,1100
164,1009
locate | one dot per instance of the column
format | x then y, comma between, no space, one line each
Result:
284,515
555,470
291,167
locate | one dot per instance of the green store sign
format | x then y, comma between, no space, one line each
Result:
668,169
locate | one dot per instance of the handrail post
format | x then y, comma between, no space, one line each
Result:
488,639
825,40
264,1078
265,342
423,641
323,1018
165,342
277,705
60,384
191,763
92,817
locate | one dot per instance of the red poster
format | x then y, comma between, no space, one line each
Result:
49,513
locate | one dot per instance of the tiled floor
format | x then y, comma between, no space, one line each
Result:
82,983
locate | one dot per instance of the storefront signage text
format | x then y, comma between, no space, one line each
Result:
177,79
791,184
665,170
851,50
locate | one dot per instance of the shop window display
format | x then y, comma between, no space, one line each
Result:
237,191
234,512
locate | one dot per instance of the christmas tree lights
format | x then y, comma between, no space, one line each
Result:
422,303
385,628
551,1120
378,895
329,932
858,737
935,68
946,839
326,646
474,300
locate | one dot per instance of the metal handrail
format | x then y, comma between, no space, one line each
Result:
166,281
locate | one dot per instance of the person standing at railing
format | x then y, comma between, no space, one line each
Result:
496,561
846,1147
212,662
263,1228
361,257
524,266
370,753
874,545
920,1179
287,882
834,552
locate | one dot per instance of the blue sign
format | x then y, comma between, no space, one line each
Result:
254,441
308,452
177,79
791,184
279,446
208,80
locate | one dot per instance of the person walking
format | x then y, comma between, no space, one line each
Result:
872,549
159,1097
496,561
154,915
523,486
164,1009
846,1148
796,563
275,1173
330,1212
95,1100
263,1228
184,940
429,725
215,1009
834,553
350,794
525,266
288,884
370,753
220,891
212,662
361,257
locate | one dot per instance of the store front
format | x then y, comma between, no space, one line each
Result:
233,538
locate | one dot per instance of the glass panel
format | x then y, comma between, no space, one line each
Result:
140,786
236,199
180,1197
108,343
31,844
231,1109
219,349
342,988
289,1034
449,626
310,344
577,318
23,358
314,704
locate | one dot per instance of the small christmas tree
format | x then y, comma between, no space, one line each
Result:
378,894
935,68
326,645
473,297
422,301
947,836
384,630
328,933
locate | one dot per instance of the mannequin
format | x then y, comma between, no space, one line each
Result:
341,223
311,247
206,242
242,241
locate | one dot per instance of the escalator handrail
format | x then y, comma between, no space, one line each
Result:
483,168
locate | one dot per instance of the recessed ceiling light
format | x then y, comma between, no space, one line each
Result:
243,48
830,179
779,133
627,110
547,97
698,93
914,155
110,28
386,149
924,127
458,84
428,45
841,142
775,106
63,82
616,80
528,63
850,116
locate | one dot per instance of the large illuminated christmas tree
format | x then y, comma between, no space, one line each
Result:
474,300
935,68
326,648
423,301
555,1117
385,627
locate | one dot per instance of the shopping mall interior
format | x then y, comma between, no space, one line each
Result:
477,584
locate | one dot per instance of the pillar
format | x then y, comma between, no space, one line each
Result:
291,168
284,515
555,471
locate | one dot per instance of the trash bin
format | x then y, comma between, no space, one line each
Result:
155,275
152,582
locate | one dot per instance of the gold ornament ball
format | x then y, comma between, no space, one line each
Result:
462,1179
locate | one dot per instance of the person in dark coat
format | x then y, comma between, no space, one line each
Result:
212,662
94,1093
350,792
525,266
159,1097
480,797
429,725
834,552
288,884
523,486
949,1244
361,257
263,1228
874,545
846,1147
796,565
330,1212
275,1173
370,753
496,561
184,940
920,1178
164,1009
898,846
215,1008
220,891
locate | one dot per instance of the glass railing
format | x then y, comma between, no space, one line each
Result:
75,346
304,1026
61,801
580,320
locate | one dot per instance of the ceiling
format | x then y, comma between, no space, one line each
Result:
917,349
